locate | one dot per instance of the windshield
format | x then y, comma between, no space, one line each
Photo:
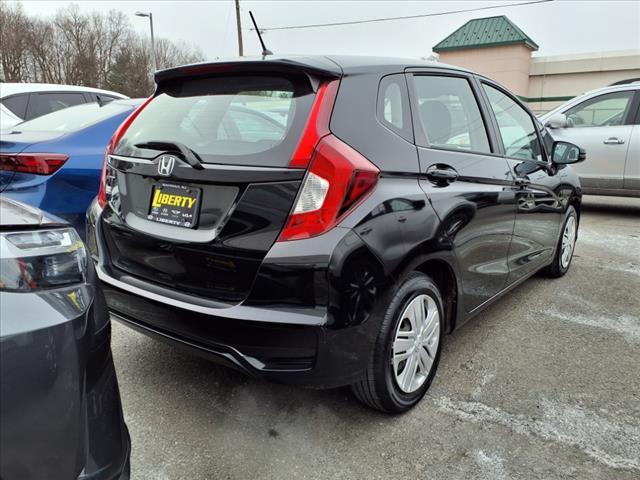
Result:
244,120
73,118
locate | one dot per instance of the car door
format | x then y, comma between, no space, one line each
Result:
467,181
541,195
602,125
632,165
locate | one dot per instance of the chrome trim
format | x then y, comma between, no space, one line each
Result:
131,159
209,166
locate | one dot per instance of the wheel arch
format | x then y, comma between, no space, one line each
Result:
442,271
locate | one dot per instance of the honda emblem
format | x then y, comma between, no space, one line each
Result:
166,164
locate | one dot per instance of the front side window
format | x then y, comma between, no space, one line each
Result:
450,114
516,126
43,103
602,111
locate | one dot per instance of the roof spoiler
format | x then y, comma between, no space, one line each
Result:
316,67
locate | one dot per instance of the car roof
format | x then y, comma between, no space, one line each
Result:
374,63
330,65
7,89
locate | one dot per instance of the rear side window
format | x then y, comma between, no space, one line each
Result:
17,104
241,120
43,103
393,105
450,114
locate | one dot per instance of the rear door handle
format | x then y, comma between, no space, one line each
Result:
441,174
613,141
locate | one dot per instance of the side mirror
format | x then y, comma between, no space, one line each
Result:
557,120
565,153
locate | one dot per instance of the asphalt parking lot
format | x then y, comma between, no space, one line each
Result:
543,385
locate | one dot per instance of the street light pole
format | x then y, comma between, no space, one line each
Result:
153,44
239,27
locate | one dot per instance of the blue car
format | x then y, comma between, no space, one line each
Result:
54,162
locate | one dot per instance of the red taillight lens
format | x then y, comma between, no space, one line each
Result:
102,191
111,146
338,179
317,124
34,163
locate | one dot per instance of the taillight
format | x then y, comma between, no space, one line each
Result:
317,124
107,174
34,163
339,178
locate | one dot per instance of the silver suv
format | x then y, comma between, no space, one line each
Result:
606,123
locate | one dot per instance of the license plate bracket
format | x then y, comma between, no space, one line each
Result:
175,204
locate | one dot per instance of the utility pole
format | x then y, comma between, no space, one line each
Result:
239,25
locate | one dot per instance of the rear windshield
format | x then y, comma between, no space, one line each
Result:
73,118
242,120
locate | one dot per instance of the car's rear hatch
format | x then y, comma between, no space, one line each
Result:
201,221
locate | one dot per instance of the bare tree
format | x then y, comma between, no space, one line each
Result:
98,50
13,54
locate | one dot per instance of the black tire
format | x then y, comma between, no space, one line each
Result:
378,388
556,269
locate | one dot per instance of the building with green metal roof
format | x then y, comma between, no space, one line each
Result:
498,48
486,32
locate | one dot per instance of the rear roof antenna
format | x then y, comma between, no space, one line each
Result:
265,50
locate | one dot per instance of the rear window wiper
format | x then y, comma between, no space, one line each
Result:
188,155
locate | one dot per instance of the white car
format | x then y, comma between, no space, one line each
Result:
606,123
25,101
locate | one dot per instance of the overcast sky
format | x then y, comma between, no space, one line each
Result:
560,27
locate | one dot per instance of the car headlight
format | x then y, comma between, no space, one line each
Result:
41,259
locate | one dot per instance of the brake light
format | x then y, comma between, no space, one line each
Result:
104,190
34,163
339,178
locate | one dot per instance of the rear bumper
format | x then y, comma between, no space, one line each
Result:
298,325
285,351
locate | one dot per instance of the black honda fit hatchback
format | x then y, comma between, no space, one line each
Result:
324,221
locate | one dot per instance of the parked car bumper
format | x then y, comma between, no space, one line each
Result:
60,402
294,327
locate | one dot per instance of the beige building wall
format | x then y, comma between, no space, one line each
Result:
507,64
553,80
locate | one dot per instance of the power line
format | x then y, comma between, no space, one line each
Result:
387,19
